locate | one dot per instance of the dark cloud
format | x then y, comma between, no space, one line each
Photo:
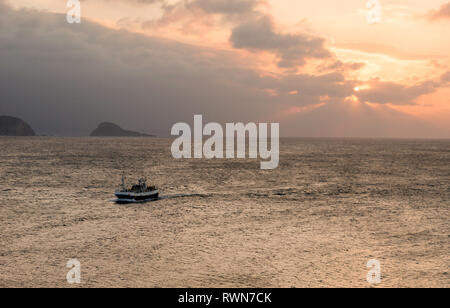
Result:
210,6
291,49
133,1
251,29
397,94
442,13
343,66
311,88
229,7
445,79
65,79
192,12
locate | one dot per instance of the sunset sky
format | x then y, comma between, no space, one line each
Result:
319,68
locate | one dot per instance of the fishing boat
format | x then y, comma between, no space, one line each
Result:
137,193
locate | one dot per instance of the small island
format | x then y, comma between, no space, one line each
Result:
108,129
11,126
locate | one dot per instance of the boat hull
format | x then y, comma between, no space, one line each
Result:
130,197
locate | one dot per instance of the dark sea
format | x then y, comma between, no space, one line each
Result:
315,221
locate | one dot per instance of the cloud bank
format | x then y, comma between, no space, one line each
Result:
64,79
442,13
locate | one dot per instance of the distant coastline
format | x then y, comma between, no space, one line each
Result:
108,129
16,127
12,126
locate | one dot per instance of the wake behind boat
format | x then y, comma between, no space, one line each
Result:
137,193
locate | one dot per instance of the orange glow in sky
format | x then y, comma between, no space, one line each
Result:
406,47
